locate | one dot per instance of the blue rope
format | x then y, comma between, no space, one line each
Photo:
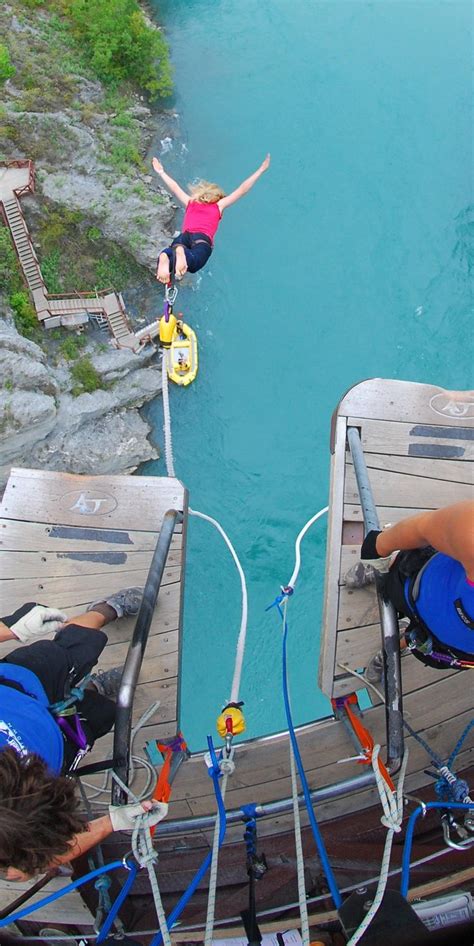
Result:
215,774
114,909
12,918
409,837
459,743
336,896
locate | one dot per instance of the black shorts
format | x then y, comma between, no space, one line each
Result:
63,662
197,249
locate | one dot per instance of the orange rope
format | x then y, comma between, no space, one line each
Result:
365,739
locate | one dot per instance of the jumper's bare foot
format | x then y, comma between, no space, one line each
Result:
163,273
181,266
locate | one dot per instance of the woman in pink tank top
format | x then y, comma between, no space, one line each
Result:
204,205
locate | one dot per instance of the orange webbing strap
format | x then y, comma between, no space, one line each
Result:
365,739
163,786
162,790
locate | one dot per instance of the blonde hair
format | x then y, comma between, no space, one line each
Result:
205,192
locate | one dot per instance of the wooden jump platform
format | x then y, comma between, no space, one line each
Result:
66,540
418,443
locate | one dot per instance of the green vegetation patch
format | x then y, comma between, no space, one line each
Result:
121,44
24,316
85,376
7,70
10,275
71,347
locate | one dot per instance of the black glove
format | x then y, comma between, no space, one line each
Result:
369,549
369,554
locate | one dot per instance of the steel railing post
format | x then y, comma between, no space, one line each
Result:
388,615
136,650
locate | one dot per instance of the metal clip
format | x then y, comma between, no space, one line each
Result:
170,294
447,822
418,801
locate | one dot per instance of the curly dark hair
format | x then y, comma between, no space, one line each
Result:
38,813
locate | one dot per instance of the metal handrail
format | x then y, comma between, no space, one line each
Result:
388,616
136,651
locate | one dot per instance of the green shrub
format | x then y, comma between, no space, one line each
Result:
50,271
10,279
7,70
70,348
86,377
121,45
94,234
24,315
124,153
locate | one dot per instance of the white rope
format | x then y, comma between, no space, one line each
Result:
146,856
292,581
166,414
240,649
299,854
392,819
211,897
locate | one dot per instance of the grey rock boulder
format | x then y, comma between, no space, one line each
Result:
114,443
25,373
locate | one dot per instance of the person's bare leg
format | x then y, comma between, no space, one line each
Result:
163,273
181,266
92,619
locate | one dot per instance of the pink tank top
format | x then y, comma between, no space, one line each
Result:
202,218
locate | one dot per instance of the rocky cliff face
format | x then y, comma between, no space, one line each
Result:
43,426
90,151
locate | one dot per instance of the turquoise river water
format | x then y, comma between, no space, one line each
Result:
350,259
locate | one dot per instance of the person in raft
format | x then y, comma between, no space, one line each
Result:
430,581
40,823
204,205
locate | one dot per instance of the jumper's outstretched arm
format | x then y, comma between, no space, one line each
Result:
170,183
245,186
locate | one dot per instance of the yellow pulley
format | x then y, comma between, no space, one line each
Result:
231,721
167,327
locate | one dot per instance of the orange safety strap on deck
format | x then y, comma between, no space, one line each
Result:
364,737
163,786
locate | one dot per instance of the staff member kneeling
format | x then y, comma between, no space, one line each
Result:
40,824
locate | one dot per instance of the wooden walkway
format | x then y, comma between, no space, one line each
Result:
17,178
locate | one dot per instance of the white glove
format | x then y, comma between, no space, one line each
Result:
123,817
34,620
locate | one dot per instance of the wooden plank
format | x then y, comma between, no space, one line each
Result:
21,536
408,491
78,591
451,471
330,607
384,399
31,565
165,619
429,440
68,910
387,514
117,502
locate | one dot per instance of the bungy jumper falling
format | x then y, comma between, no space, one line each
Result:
379,854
